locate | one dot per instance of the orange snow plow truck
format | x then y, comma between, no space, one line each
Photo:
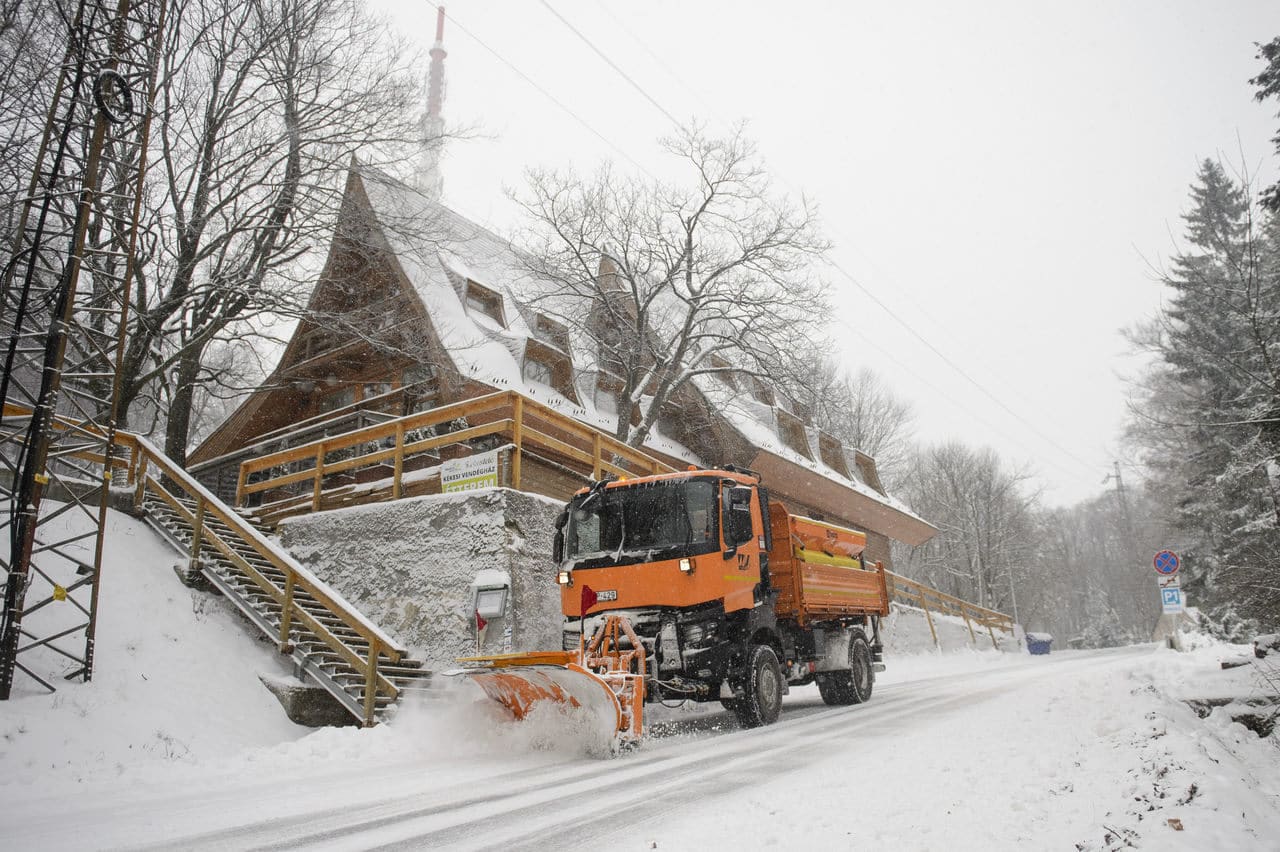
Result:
696,586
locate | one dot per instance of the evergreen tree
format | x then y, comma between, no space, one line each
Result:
1214,400
1268,83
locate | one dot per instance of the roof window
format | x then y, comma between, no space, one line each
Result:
791,431
481,299
538,371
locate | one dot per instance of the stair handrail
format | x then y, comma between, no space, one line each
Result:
260,542
142,454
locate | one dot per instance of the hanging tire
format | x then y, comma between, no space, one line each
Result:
761,703
851,686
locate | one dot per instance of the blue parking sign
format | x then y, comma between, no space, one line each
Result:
1171,600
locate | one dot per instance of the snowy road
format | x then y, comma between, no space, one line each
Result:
855,771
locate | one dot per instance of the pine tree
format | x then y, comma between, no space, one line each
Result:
1215,398
1268,83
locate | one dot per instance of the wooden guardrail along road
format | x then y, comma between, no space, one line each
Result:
931,600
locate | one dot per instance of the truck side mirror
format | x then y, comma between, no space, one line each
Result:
557,541
736,516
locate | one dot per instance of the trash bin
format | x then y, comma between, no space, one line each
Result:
1038,643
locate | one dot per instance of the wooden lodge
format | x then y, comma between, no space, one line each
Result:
415,350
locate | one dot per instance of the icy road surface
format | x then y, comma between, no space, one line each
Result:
1077,748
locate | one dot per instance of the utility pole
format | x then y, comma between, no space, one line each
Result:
62,339
1127,549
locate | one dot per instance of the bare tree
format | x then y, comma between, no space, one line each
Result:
661,283
261,109
30,51
984,512
859,408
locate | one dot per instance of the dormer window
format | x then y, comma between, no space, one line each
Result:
546,365
552,332
538,371
606,393
481,299
832,452
724,371
791,431
606,400
761,391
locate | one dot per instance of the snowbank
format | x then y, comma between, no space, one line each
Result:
175,679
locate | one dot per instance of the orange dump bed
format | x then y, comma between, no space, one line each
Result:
816,568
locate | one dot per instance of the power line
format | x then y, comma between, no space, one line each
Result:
546,94
623,74
1074,474
856,283
957,367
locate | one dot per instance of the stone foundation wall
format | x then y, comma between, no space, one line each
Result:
409,566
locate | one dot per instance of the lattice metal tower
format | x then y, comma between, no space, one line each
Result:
64,299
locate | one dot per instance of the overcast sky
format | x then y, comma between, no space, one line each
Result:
1003,177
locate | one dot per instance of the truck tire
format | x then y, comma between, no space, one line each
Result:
853,686
762,693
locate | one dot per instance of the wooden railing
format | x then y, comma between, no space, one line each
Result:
143,465
506,416
145,458
931,600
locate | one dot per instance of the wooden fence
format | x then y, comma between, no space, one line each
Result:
296,479
933,601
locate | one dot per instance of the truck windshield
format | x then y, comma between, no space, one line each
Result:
640,523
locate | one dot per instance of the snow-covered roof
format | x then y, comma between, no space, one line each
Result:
440,251
757,423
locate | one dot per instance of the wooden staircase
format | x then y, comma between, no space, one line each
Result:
329,640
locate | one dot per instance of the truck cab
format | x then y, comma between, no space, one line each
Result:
725,609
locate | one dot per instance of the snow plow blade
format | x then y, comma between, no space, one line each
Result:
603,679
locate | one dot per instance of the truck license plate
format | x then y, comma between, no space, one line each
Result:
607,595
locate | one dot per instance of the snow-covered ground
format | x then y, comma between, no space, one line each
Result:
175,744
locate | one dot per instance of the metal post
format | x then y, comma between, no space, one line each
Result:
371,685
286,614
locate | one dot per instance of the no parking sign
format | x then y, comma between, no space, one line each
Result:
1166,563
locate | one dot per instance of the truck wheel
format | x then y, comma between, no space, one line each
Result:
853,686
836,689
862,676
762,700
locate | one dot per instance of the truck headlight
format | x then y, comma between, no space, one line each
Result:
565,578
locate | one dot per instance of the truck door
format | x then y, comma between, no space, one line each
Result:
743,533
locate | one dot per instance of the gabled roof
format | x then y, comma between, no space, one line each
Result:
452,250
441,253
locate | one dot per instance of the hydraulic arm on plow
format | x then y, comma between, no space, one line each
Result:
695,586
